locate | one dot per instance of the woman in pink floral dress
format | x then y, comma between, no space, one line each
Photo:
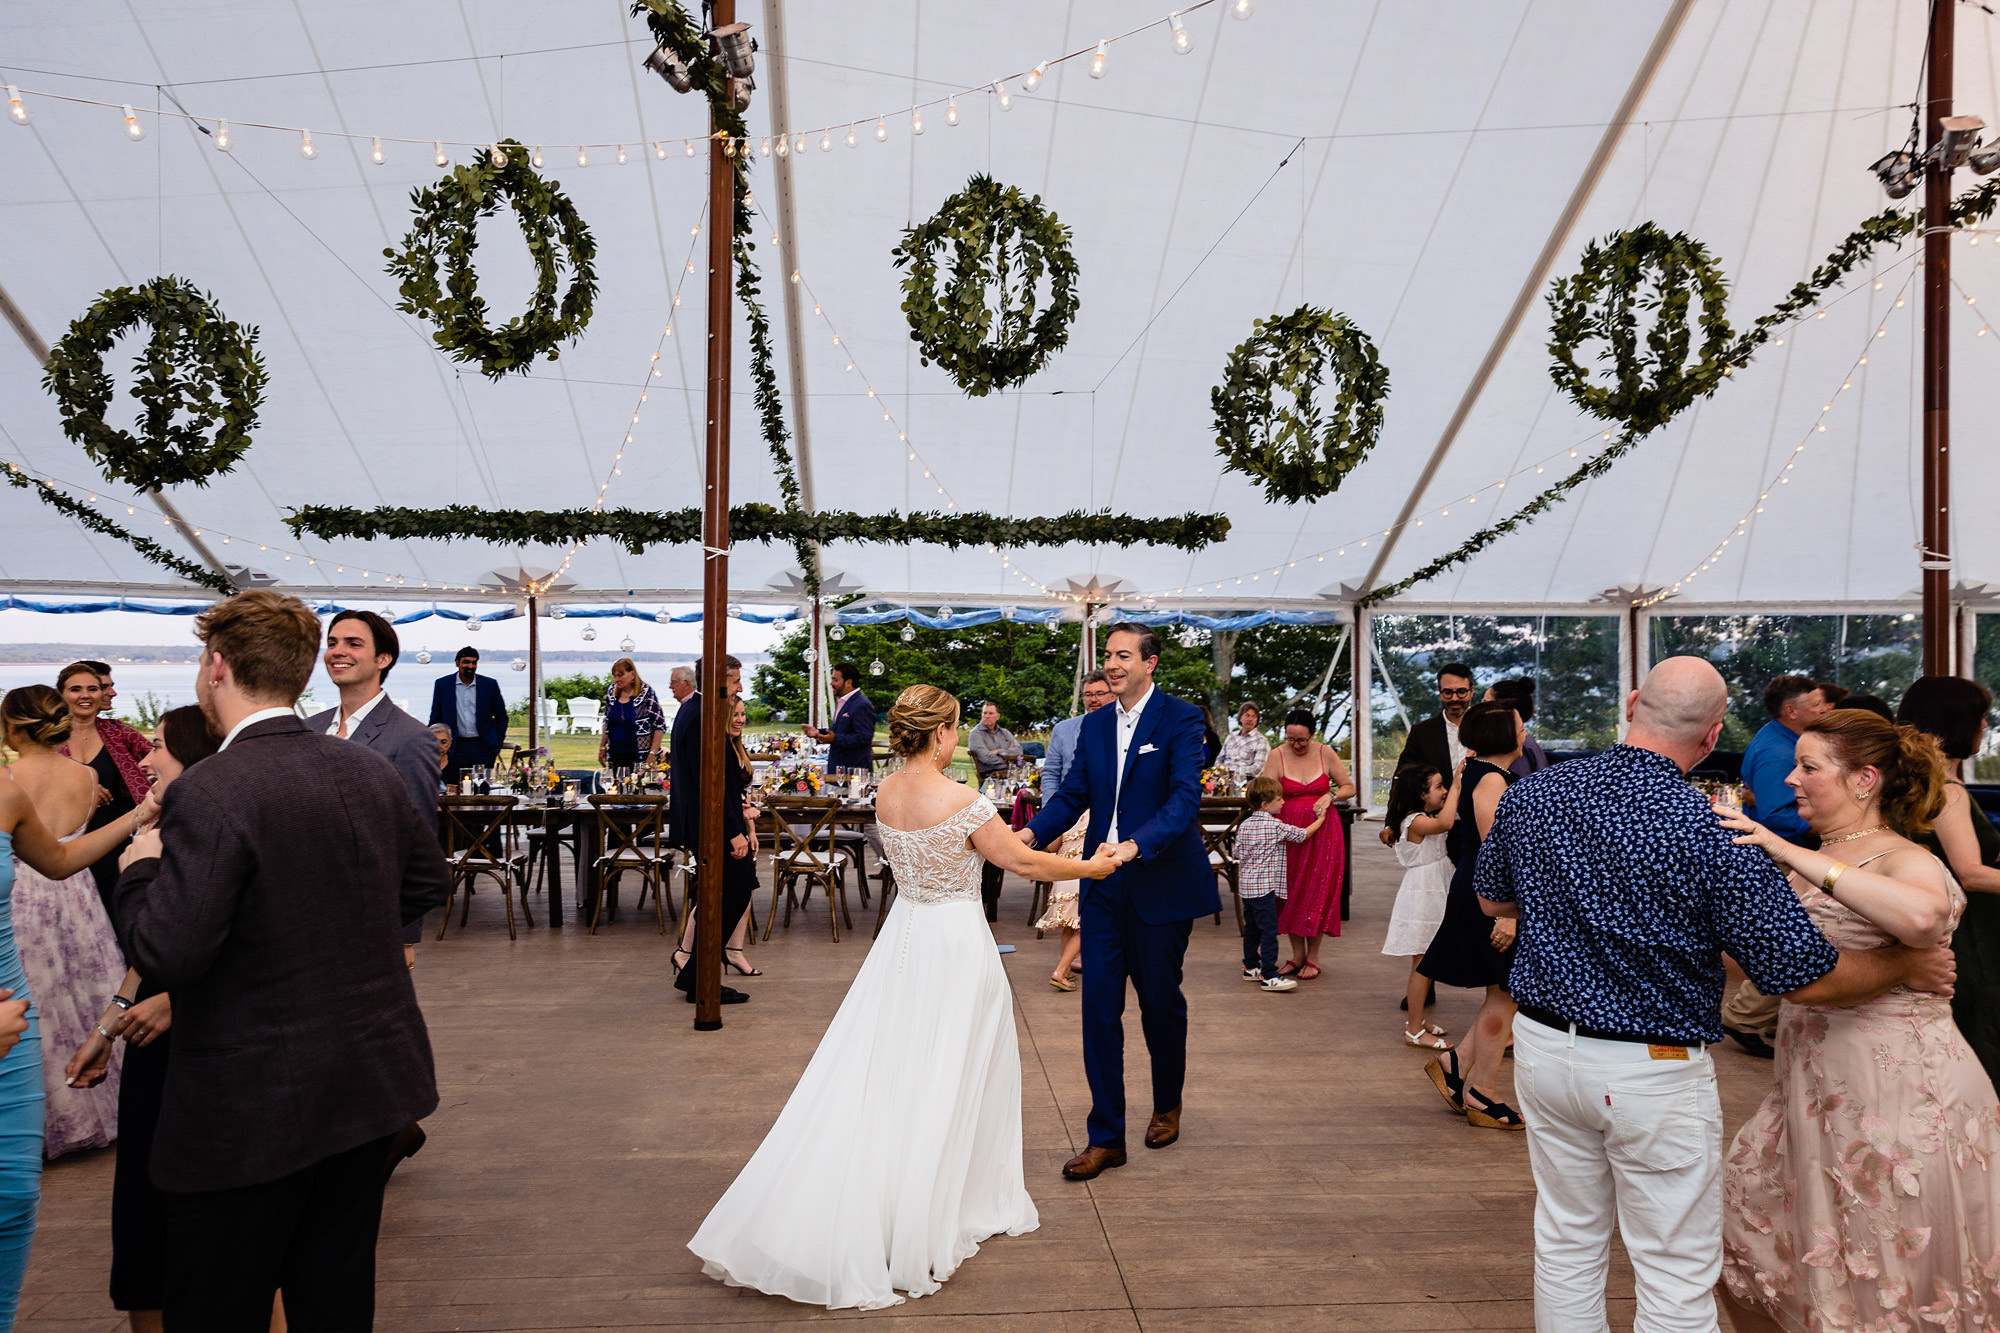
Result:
1864,1194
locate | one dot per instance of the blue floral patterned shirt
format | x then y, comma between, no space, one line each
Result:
1630,892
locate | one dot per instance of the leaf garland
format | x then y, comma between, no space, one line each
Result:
1004,241
61,500
1642,408
196,366
445,234
638,529
1298,451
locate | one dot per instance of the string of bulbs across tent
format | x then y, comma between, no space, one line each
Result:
791,142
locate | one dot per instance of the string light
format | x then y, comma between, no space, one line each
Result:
881,131
536,157
1000,93
375,152
826,141
951,112
306,149
621,154
438,155
916,120
1034,79
582,156
222,136
133,129
1182,42
495,156
1242,9
1097,60
16,107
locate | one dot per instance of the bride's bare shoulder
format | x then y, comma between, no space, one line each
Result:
912,802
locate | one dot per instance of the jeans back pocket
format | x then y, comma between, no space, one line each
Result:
1663,1126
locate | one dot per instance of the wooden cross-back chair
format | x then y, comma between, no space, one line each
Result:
479,840
634,839
1220,817
806,852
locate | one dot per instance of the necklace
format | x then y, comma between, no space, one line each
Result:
1850,837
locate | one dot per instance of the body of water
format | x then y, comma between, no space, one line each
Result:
409,684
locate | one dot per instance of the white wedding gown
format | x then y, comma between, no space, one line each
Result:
900,1149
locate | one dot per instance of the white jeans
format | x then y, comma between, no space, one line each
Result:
1613,1130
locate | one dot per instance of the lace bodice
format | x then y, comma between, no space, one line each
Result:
936,864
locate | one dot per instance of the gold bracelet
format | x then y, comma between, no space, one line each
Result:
1832,876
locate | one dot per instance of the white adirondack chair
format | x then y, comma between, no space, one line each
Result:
586,715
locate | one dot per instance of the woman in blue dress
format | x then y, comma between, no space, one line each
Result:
22,835
634,722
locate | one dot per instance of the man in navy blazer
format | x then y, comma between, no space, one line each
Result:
470,704
851,738
1137,770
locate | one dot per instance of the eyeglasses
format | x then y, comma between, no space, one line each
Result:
1455,694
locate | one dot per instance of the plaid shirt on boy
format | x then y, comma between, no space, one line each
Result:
1260,854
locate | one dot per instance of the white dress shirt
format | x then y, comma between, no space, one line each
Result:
353,719
261,715
1128,726
1455,746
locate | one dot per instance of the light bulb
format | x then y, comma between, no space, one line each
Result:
438,154
729,148
621,154
916,121
1182,42
764,146
582,156
826,143
498,158
799,144
951,112
1006,101
16,107
306,149
881,131
375,152
850,136
536,156
1097,62
1242,9
222,136
689,144
1034,79
660,151
784,146
133,129
875,668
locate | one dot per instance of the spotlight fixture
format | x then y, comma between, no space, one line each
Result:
739,93
1898,172
735,46
671,68
1984,161
1961,136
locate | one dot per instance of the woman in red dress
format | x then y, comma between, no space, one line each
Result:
1308,770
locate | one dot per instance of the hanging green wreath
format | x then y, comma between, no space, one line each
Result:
1003,243
200,384
445,234
1269,422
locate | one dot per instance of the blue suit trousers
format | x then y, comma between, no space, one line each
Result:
1118,945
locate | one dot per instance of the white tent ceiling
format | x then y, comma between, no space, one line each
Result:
1431,148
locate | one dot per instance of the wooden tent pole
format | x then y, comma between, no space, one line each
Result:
1936,570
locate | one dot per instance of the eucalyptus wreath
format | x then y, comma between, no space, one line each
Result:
444,236
1299,449
200,384
1003,243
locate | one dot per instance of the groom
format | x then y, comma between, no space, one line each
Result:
1138,771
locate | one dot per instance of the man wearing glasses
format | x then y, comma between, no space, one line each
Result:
1434,741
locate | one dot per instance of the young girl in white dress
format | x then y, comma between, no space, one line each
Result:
899,1151
1421,811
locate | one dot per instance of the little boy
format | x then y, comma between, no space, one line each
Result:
1260,878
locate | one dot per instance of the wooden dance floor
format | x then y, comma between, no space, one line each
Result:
585,1129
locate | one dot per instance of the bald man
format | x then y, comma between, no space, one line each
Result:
1628,891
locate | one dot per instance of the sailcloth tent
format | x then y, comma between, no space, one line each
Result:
1403,165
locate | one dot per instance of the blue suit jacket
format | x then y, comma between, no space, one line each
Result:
1158,808
490,709
853,744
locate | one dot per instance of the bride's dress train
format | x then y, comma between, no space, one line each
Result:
900,1149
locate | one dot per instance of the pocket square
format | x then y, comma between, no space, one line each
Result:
1148,748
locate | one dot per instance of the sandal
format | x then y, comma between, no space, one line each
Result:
1286,968
1492,1115
1450,1082
1309,972
1062,983
682,957
1430,1041
743,968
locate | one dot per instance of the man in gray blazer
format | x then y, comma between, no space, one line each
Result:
270,901
361,647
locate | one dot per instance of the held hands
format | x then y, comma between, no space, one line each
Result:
1322,805
142,847
1126,851
1102,864
1027,836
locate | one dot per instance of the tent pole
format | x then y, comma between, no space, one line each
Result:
1937,357
534,673
1361,707
716,703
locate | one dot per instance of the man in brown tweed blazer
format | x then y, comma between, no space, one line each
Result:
270,902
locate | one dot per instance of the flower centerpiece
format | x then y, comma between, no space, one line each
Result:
793,774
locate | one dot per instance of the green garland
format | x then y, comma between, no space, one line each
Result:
446,232
197,367
637,529
1296,450
1641,407
68,504
1003,240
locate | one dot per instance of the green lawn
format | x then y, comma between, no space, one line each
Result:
581,751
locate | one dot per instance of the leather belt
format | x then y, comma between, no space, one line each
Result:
1561,1024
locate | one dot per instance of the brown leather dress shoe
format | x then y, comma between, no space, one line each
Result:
1163,1128
1092,1162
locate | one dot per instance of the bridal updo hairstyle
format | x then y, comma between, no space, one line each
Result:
915,717
35,713
1912,769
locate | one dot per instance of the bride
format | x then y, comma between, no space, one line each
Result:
900,1149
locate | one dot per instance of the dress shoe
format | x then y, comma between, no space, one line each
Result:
1163,1128
1092,1162
729,996
1752,1042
